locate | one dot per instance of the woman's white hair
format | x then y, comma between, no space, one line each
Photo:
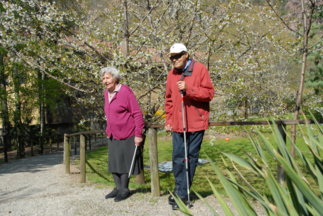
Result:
115,73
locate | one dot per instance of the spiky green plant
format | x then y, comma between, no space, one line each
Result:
301,193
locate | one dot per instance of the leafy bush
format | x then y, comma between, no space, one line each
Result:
301,192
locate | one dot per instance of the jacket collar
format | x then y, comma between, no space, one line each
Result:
187,70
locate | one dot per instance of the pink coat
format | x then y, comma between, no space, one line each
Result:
123,115
199,93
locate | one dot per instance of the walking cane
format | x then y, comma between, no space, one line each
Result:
185,149
133,159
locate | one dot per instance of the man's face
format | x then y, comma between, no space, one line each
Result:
179,59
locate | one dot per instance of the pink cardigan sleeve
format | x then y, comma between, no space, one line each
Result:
135,111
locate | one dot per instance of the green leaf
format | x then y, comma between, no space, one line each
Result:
318,125
1,7
183,208
242,162
276,193
241,204
296,179
205,202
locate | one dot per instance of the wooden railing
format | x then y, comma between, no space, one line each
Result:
153,150
83,145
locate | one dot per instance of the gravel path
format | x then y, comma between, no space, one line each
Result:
38,186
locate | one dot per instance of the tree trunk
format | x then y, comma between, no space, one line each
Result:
125,51
41,77
17,113
299,95
4,107
246,108
125,42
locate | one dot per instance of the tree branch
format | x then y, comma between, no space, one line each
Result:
149,12
281,19
103,58
48,74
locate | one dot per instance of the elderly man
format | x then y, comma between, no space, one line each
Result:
188,82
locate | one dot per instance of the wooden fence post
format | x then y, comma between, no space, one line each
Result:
280,172
82,158
67,154
153,155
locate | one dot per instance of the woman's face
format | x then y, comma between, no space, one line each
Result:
109,82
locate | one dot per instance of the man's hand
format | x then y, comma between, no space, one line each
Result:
138,141
181,85
168,128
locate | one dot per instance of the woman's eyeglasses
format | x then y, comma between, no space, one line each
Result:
177,56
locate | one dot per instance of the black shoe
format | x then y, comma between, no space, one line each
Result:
171,200
112,194
175,206
122,195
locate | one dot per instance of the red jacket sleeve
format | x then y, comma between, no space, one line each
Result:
204,92
168,102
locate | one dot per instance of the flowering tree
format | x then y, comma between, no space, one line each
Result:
34,39
58,51
305,14
246,50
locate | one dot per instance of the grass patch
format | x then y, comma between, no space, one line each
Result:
211,148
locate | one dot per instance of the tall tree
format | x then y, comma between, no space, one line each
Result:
305,11
242,43
30,34
5,136
16,75
308,11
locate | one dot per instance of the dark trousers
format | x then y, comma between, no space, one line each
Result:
121,181
194,141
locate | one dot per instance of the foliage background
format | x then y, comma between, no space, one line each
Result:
51,54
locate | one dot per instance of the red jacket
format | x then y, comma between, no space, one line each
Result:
199,93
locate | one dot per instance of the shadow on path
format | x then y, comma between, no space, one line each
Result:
32,164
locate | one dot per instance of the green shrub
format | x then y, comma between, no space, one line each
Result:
301,192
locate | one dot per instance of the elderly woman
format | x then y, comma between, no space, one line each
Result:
124,131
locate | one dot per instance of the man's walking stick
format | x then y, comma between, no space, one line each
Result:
185,149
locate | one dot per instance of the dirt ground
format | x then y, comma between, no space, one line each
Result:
38,185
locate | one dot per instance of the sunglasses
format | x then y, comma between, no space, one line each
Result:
177,56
